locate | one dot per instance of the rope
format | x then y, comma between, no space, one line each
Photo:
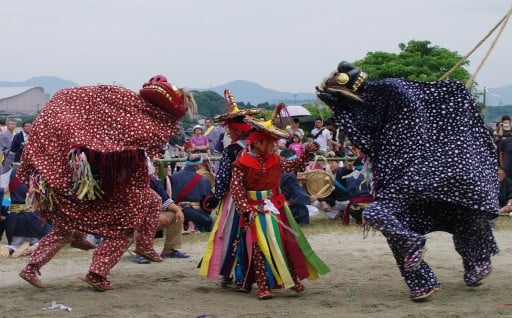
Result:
472,79
476,47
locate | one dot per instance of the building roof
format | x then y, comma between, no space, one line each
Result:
6,92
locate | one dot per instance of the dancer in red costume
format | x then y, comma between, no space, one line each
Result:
86,167
271,249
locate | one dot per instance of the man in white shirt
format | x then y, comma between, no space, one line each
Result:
322,136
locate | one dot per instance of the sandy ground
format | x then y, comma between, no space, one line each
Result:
363,282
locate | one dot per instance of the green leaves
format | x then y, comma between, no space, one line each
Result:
417,60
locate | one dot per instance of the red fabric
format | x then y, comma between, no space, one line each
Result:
278,199
293,251
15,182
346,215
256,135
113,169
260,177
106,120
260,174
253,162
171,102
243,127
190,185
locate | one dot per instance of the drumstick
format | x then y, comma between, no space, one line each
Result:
325,187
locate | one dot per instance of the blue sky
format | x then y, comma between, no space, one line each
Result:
281,44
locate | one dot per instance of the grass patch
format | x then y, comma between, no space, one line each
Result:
503,223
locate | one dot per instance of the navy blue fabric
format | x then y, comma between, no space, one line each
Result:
434,167
26,224
157,186
202,220
180,179
223,176
296,196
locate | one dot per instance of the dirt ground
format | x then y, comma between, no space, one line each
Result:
363,282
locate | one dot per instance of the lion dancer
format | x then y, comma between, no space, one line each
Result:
271,249
86,167
406,128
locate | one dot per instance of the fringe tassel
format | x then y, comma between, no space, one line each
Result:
105,171
40,196
85,187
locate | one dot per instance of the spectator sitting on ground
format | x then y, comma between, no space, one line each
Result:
24,229
335,203
171,220
359,192
295,194
189,189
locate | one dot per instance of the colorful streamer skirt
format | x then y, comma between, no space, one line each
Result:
219,256
286,252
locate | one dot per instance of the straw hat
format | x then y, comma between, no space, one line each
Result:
267,127
233,110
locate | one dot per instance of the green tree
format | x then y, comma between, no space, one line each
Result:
417,60
318,109
209,103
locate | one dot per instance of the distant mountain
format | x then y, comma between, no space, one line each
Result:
50,84
250,92
245,91
493,114
499,96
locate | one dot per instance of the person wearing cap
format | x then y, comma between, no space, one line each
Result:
405,128
271,248
335,203
87,159
198,141
219,255
189,190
